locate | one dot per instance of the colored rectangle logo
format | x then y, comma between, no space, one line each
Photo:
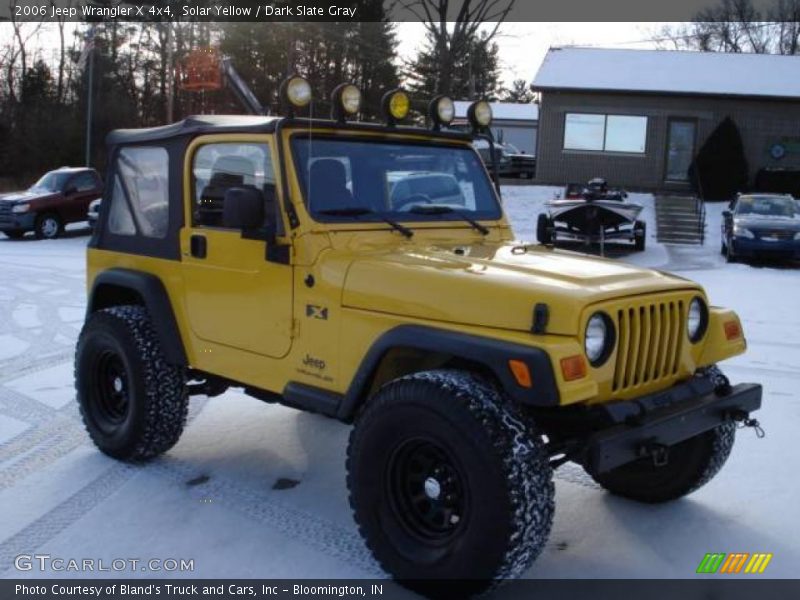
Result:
722,563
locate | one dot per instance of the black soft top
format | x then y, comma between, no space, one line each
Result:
202,124
195,125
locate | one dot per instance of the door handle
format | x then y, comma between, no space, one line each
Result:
198,246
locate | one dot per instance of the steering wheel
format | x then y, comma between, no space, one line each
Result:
413,199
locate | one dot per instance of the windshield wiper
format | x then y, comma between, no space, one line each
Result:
440,209
357,211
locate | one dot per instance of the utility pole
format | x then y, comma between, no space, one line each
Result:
89,95
170,73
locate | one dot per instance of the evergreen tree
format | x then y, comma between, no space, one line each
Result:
475,74
720,168
519,91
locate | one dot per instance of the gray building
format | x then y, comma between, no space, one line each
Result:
637,117
512,123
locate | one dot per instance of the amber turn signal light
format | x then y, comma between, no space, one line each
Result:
521,373
732,330
573,367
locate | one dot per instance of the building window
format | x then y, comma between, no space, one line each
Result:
605,133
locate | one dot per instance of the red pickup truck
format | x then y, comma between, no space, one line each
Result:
59,197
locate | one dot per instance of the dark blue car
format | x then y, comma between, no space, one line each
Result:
761,226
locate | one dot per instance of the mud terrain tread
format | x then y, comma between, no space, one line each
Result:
524,460
165,394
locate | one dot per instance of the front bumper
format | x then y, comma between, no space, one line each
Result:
759,247
17,222
658,421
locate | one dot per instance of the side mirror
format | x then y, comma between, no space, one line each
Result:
726,214
243,208
69,190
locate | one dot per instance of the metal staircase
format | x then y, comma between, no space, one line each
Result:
680,220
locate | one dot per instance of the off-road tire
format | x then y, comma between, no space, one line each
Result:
692,464
544,234
48,226
640,241
14,235
500,467
146,415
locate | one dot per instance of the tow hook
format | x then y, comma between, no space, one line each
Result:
743,419
658,452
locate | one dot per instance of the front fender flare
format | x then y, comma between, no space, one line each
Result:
491,353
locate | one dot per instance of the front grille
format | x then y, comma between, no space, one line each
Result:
649,343
5,212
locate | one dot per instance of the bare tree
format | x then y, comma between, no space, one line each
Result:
737,26
453,28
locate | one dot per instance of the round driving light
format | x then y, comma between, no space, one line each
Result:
345,101
696,320
599,339
351,99
442,111
479,114
396,105
298,91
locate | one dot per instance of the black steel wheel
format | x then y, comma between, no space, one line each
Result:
427,490
133,402
109,386
448,483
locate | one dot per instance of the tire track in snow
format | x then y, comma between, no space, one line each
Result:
321,534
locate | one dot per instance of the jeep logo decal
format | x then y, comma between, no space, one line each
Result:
316,363
317,312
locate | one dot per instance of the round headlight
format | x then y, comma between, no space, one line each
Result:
442,111
696,320
396,105
599,339
298,91
479,114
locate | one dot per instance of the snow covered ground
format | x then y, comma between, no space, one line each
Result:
214,497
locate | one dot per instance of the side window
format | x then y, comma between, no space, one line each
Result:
120,220
219,167
140,197
85,182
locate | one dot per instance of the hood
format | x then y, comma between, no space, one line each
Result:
25,195
759,222
495,285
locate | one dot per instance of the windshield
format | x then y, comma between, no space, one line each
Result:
766,206
367,180
52,182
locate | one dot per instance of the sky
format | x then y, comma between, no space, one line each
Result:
522,45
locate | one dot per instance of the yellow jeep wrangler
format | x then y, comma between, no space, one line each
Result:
367,272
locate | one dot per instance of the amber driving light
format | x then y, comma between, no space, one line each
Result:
295,92
733,330
345,101
573,367
479,114
521,372
441,111
396,105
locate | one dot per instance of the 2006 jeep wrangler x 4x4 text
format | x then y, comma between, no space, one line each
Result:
367,272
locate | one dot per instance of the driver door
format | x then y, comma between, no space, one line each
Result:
234,297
